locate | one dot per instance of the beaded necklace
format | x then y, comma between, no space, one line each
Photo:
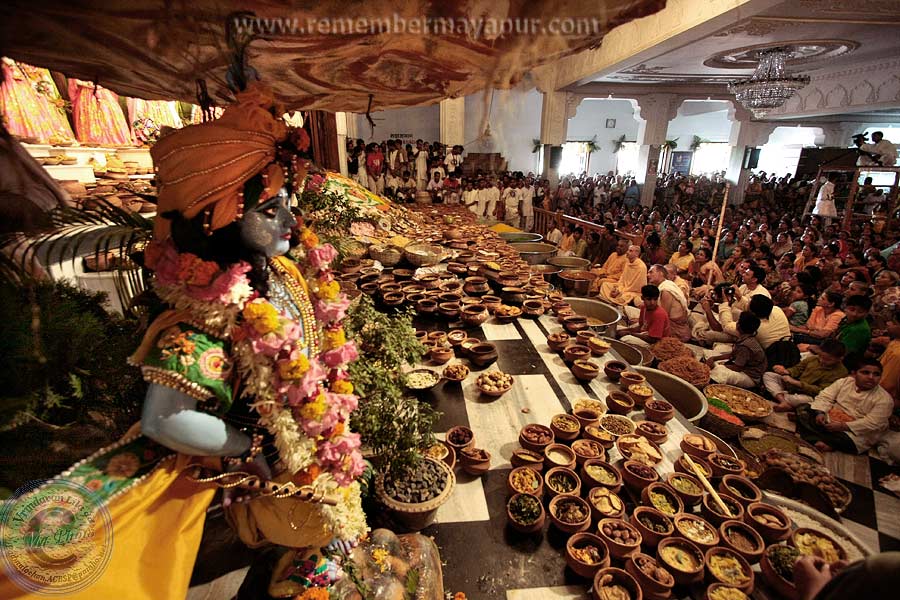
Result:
300,300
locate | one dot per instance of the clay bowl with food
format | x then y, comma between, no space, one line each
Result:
614,578
597,472
585,335
456,337
522,457
743,539
437,337
565,427
558,341
722,465
561,481
726,566
629,378
697,445
421,380
465,347
640,393
653,431
598,346
483,354
421,335
743,490
777,569
560,455
663,498
712,512
638,448
442,451
696,529
599,435
653,525
682,558
614,369
574,352
586,553
587,450
659,411
413,299
654,579
575,323
393,298
536,437
494,383
620,536
619,403
605,504
638,476
585,370
719,591
491,302
440,354
525,513
617,425
688,488
682,466
456,373
570,513
524,480
460,437
449,310
813,542
769,521
507,314
587,416
532,308
475,461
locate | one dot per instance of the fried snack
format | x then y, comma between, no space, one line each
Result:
669,348
688,368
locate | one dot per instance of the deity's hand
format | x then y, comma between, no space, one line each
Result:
258,467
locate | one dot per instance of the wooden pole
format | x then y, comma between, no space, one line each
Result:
715,253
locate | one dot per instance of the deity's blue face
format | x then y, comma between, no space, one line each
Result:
266,229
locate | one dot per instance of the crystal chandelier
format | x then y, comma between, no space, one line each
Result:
770,86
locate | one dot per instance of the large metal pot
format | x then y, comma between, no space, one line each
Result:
569,263
534,252
687,399
547,271
607,315
626,351
521,236
576,282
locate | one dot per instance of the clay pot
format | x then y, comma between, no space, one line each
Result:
619,403
652,587
575,323
590,481
533,527
474,315
441,354
527,441
456,337
639,394
566,526
724,465
614,369
512,295
585,370
523,457
682,577
475,465
659,411
619,549
770,533
556,450
743,490
586,416
689,499
784,588
491,302
635,481
437,337
449,310
476,286
565,434
551,492
558,341
661,488
751,556
650,430
483,354
598,346
393,298
558,306
449,297
619,577
681,520
712,512
517,475
460,437
681,466
746,587
426,306
533,308
629,378
650,537
579,567
574,352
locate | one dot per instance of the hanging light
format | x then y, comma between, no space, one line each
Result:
770,86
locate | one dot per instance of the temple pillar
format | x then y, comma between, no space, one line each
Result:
453,121
556,109
342,124
653,111
746,135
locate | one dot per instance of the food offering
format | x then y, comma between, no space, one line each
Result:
682,466
475,461
652,577
596,472
688,488
494,383
688,368
599,435
777,566
621,537
421,379
668,348
615,584
712,512
768,521
565,427
744,490
743,539
570,514
605,504
682,559
617,425
663,498
522,457
811,542
655,432
560,480
525,513
637,475
507,314
653,525
659,411
536,437
729,568
745,404
720,591
640,393
460,437
758,441
722,465
619,403
456,373
697,445
639,449
586,553
559,455
586,450
697,530
804,471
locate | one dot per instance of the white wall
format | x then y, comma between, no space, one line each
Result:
590,120
707,119
515,120
412,123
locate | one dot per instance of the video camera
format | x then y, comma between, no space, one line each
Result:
860,138
723,292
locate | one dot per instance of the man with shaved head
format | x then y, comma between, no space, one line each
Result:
628,287
682,283
673,301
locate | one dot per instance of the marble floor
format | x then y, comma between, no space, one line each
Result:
484,558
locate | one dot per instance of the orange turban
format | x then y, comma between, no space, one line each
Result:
205,166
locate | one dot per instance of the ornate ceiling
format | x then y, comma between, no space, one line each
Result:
326,54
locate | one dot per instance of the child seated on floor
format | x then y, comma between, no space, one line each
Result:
745,364
800,384
653,324
850,415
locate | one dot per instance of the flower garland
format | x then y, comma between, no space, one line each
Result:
303,399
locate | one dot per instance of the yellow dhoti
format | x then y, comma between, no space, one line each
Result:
628,287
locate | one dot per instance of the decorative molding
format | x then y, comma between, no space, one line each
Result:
670,78
755,28
643,68
453,122
801,52
857,8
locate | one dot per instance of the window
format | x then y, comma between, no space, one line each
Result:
627,159
574,158
710,157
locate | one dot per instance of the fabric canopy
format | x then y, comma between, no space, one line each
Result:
326,54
